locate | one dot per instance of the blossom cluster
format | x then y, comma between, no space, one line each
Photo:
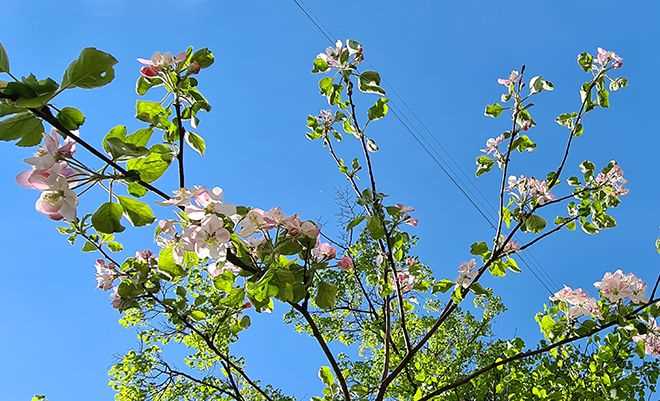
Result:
467,272
614,179
614,287
492,148
343,56
529,189
52,175
162,62
650,339
604,57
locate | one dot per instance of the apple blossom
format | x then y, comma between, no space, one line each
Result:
204,202
604,56
618,286
210,239
146,256
105,274
115,298
406,280
345,263
650,339
158,62
58,201
52,151
323,251
529,189
467,272
614,179
309,229
492,144
578,302
217,268
513,78
39,178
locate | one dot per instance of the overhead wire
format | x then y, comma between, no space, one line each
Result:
430,150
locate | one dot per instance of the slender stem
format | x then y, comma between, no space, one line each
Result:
182,134
326,350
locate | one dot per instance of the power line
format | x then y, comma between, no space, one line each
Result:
429,151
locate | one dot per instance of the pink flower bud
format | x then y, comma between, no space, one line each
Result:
345,263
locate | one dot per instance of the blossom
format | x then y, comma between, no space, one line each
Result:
651,338
309,229
492,144
292,225
217,268
345,263
467,272
52,151
115,298
58,201
181,197
323,251
604,56
326,118
578,302
105,274
332,55
406,280
513,78
403,209
158,62
38,178
210,239
529,189
254,221
339,56
614,179
380,258
411,221
618,286
145,256
203,202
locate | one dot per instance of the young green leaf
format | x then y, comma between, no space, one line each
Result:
107,218
196,142
93,68
326,296
71,118
138,212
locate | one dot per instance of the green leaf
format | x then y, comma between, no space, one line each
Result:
657,245
152,166
538,84
354,223
196,142
119,145
585,60
4,59
479,248
92,69
523,143
484,165
71,118
107,218
143,84
150,112
442,286
326,296
167,265
140,137
136,189
138,212
7,109
379,109
326,376
204,57
320,65
493,110
370,83
198,315
375,227
534,223
24,126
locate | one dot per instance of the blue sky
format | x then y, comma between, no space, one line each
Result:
443,58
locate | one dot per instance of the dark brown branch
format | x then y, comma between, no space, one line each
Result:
326,350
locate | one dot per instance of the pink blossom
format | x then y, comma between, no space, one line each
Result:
182,197
513,78
345,263
105,274
217,268
210,239
58,201
292,225
492,144
467,272
411,221
410,261
204,202
651,338
618,286
406,280
115,298
145,256
529,189
380,259
604,56
332,55
578,302
309,229
159,62
39,179
613,179
403,209
52,151
326,118
323,251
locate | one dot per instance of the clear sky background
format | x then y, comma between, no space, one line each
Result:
59,334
